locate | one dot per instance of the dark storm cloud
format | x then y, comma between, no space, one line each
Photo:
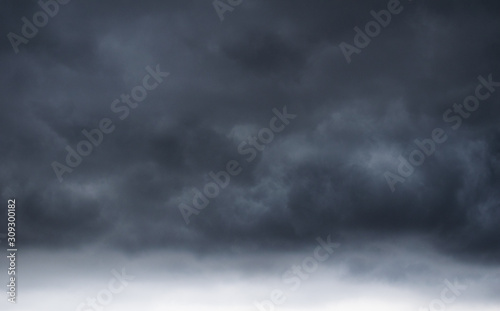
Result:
323,174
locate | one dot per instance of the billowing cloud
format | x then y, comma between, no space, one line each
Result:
323,173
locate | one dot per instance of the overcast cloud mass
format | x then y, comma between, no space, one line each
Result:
341,122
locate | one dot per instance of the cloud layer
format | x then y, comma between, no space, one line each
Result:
323,174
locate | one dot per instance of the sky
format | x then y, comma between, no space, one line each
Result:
251,155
